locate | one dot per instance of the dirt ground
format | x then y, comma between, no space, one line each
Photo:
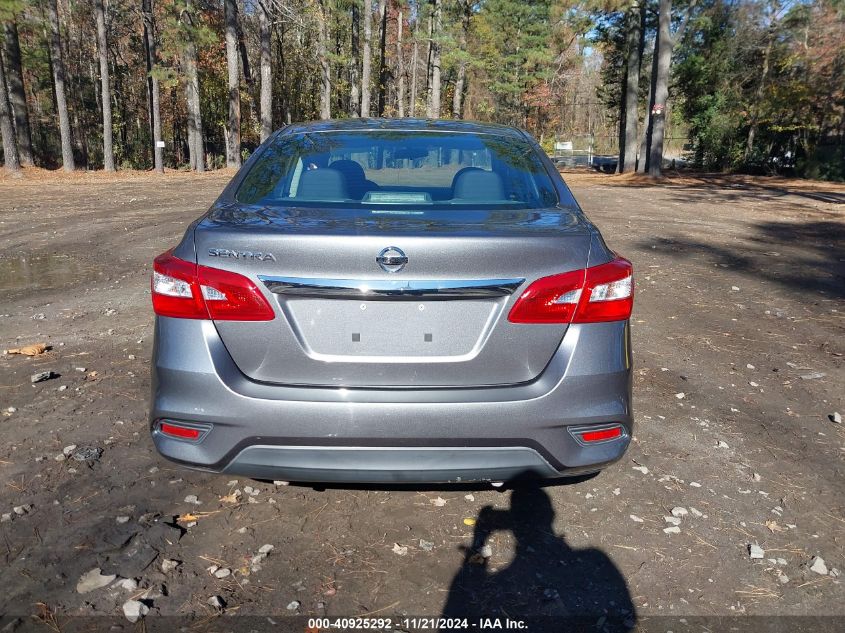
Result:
738,340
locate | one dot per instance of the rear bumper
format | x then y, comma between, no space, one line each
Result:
391,435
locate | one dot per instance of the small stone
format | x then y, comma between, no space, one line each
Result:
193,499
486,551
127,584
293,605
672,520
265,549
835,573
750,366
636,519
41,376
835,417
672,530
722,444
756,477
681,395
813,376
88,453
5,517
755,551
60,457
753,384
168,565
211,569
281,483
783,578
696,513
642,469
217,602
251,491
134,610
426,546
22,510
469,497
13,410
617,491
94,579
222,573
400,550
80,369
62,388
122,519
817,565
67,450
695,484
438,502
735,288
679,511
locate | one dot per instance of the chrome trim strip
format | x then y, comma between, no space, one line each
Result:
374,289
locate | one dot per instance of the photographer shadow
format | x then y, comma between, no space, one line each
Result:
547,581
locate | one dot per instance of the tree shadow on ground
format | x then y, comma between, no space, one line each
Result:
547,580
734,188
808,256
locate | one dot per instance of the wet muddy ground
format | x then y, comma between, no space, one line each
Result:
738,338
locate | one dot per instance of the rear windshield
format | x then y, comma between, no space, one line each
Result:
387,168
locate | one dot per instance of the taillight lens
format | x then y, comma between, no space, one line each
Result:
599,293
184,290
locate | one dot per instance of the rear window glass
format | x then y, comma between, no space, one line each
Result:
411,169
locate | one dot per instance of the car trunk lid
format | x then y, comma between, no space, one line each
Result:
344,319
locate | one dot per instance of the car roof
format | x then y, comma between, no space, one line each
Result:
405,125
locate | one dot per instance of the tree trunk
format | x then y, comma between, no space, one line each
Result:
400,71
354,83
155,95
630,118
264,17
412,106
661,89
233,135
645,138
59,85
192,88
103,52
460,79
7,129
433,109
323,58
366,59
17,94
382,69
758,96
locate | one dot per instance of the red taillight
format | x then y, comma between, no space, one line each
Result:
600,293
182,432
602,435
184,290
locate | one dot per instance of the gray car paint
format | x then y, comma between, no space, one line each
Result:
487,383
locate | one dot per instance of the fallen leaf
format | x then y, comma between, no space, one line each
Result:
232,498
439,502
469,521
186,518
774,527
29,350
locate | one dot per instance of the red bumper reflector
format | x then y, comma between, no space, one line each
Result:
182,432
602,435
